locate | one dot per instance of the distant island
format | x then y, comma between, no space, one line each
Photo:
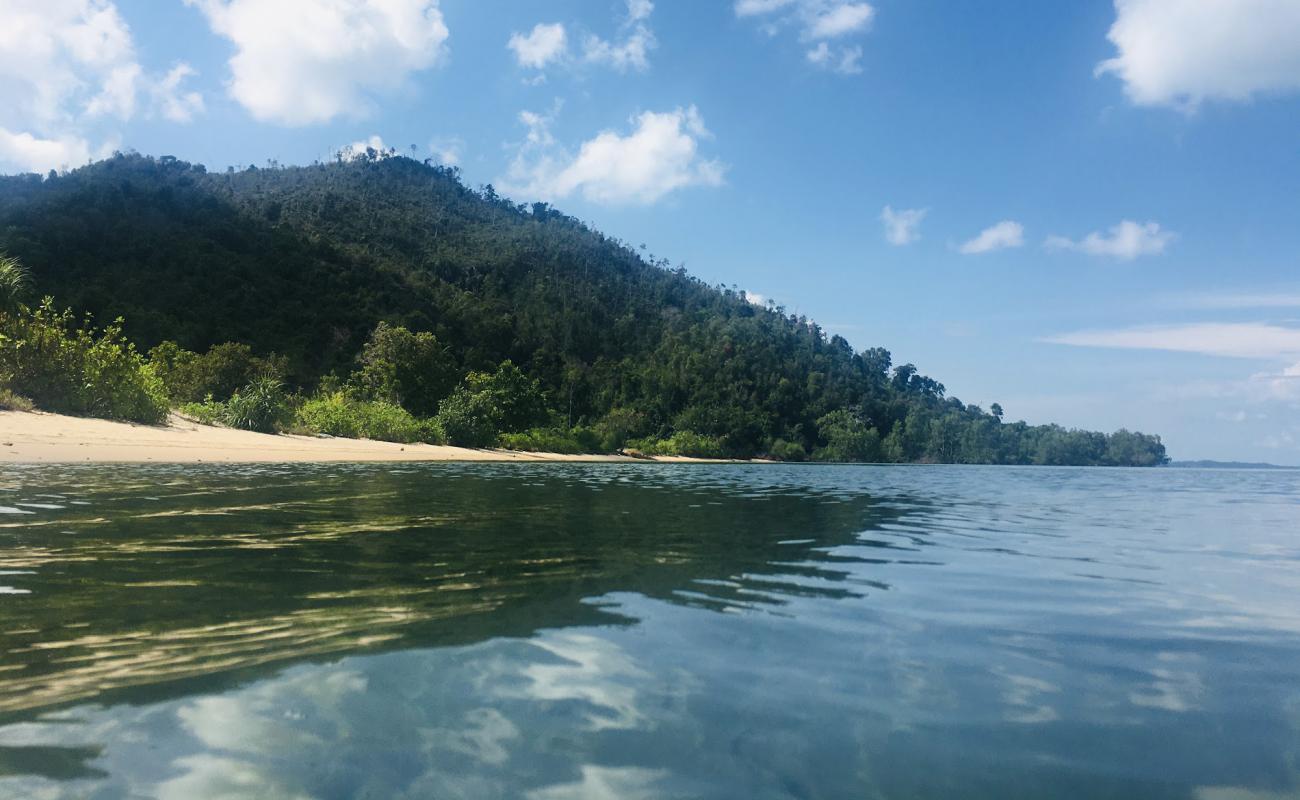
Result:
379,297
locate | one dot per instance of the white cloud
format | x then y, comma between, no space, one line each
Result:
1231,339
660,155
1005,234
639,9
546,43
32,154
633,51
843,60
299,62
1182,52
820,22
751,8
902,226
1126,241
69,73
358,149
447,151
173,102
839,20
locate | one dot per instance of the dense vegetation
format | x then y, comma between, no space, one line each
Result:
381,296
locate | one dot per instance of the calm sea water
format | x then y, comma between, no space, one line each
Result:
656,631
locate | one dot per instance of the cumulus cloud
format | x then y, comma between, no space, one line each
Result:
1231,339
1005,234
902,226
821,23
632,51
33,154
1182,52
660,155
543,45
1125,241
299,62
172,100
69,73
447,151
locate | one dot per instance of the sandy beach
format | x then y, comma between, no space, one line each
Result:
36,437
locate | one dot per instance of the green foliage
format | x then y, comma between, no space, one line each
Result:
468,418
14,402
307,261
412,370
618,426
781,450
220,372
208,412
552,440
338,414
847,438
517,399
682,443
64,367
260,406
15,281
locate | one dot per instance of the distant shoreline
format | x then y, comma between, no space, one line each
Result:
33,437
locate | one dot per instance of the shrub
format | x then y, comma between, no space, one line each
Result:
75,369
209,412
552,440
618,426
783,450
221,372
847,438
468,419
682,443
518,401
260,406
14,402
337,414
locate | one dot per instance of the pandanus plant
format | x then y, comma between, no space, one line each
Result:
14,282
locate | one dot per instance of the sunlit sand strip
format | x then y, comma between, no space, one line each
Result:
33,437
89,665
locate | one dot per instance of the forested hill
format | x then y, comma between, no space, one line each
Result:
306,261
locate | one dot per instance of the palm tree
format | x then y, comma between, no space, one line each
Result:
14,281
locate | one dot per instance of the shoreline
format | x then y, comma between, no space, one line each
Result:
37,437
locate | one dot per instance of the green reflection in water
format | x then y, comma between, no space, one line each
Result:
553,631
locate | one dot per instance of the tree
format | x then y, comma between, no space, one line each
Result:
412,370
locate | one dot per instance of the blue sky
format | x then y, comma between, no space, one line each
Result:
1084,211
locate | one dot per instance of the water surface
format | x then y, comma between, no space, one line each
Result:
624,631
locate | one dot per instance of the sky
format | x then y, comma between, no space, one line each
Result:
1086,212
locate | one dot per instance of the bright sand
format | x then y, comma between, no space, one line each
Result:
32,437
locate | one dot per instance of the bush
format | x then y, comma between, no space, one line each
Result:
682,443
468,419
220,372
209,412
552,440
260,406
337,414
782,450
75,369
14,402
619,426
517,400
847,438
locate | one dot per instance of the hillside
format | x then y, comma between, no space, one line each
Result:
304,262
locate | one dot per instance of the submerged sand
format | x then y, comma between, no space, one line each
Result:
36,437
